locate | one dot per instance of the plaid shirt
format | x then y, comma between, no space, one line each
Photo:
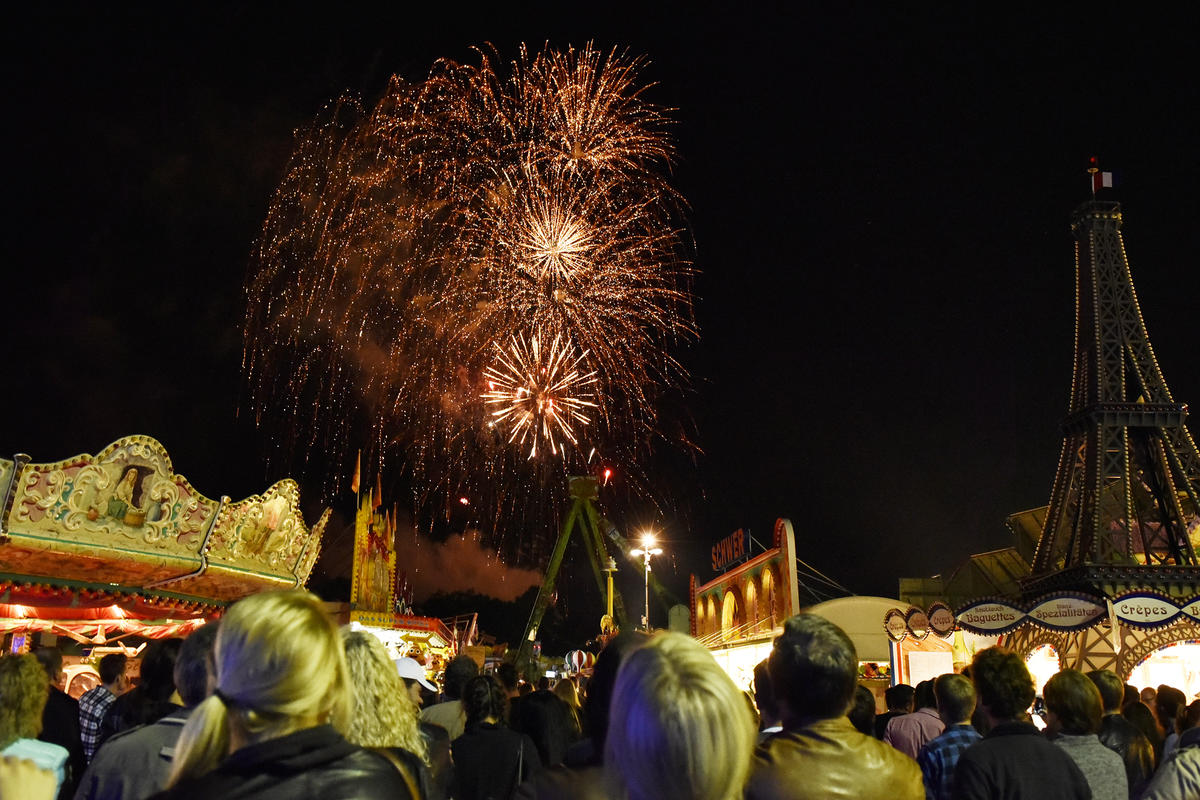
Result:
92,707
939,757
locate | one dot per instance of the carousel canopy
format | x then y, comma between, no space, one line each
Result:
121,530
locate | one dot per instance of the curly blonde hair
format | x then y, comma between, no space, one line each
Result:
384,713
24,688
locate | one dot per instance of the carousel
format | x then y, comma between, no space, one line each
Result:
106,549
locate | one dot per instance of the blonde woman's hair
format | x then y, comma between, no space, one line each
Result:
280,668
678,726
384,714
24,687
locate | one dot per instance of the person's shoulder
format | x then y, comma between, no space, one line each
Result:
45,754
564,783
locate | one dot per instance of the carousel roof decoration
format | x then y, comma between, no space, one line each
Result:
122,530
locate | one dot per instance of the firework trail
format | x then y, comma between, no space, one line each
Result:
482,276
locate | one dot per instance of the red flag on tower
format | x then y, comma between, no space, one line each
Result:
356,481
377,499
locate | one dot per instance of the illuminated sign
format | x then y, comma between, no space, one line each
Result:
730,549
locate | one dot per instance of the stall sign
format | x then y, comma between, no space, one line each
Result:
1192,608
941,619
1067,612
990,617
917,622
895,625
730,549
1145,610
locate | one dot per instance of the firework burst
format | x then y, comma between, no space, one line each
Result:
482,277
540,394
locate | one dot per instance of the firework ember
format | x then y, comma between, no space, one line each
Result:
482,276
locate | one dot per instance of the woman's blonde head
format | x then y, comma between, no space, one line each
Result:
678,726
384,714
280,667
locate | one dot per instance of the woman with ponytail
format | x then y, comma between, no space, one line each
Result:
272,728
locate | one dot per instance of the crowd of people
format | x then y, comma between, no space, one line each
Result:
275,701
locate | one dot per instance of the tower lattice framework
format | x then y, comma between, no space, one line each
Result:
1126,496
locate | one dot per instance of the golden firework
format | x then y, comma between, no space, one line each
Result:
482,275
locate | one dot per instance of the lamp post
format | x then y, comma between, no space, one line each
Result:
645,551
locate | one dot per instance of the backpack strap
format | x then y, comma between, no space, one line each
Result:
413,791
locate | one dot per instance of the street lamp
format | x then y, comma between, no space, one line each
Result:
645,551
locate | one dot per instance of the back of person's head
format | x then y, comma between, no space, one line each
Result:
548,720
158,668
955,697
280,667
524,688
1112,691
862,711
1190,716
814,669
1147,696
24,687
899,697
923,696
384,715
112,667
679,726
604,677
51,659
460,670
1003,684
194,671
543,684
1075,701
483,697
1142,718
764,694
1167,703
1131,695
565,689
506,673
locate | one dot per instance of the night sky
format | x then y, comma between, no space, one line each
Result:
880,203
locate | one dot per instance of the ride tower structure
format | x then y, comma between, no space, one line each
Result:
1124,510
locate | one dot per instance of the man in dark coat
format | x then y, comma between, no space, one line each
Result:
1014,759
60,720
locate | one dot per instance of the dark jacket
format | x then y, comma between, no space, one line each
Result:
312,764
1123,738
1016,760
490,761
60,725
133,764
131,709
828,759
441,765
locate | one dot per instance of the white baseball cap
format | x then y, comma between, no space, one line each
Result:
409,668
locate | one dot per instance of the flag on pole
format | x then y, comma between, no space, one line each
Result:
356,481
1102,180
377,500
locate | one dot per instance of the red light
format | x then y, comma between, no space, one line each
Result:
607,475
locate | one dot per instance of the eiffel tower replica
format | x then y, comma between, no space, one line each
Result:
1124,512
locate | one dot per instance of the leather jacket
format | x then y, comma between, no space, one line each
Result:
828,758
312,764
1123,738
